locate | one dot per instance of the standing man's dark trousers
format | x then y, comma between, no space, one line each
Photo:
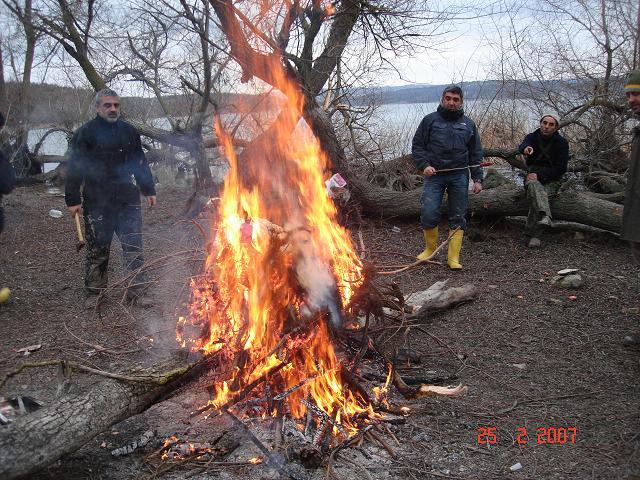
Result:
538,198
100,225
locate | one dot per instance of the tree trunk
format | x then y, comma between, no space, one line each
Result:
500,201
38,439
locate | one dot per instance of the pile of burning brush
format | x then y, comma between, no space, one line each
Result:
300,363
284,301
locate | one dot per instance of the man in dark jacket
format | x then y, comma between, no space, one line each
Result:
445,148
547,155
631,213
107,160
7,177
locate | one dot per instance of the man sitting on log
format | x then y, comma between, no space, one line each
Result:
546,156
445,148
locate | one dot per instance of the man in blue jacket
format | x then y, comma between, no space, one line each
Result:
445,148
107,160
547,155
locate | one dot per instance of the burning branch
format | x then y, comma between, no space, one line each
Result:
272,459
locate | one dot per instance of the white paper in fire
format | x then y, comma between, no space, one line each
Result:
337,188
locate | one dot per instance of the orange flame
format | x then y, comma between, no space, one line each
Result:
330,9
280,258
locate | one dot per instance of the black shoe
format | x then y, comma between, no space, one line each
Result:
631,341
138,299
91,302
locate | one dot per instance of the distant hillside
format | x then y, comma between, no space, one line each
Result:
424,93
54,104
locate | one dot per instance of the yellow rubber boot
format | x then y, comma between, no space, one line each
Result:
453,254
430,241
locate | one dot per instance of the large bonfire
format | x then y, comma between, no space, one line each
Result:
280,275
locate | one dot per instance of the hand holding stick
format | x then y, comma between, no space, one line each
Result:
81,241
483,164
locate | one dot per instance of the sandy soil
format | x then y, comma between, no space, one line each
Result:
532,357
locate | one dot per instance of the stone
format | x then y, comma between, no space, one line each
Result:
572,281
534,242
568,281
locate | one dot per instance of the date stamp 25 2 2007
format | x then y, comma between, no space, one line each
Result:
488,435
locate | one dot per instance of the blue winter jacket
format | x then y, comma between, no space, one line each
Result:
446,139
105,159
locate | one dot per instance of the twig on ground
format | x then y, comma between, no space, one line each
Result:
96,347
444,344
363,248
376,438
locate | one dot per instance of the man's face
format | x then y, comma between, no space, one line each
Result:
548,126
109,109
451,101
633,100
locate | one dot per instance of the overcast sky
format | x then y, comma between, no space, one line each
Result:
467,52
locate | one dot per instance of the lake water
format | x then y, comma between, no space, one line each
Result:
393,124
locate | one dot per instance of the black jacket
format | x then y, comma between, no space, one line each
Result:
107,157
447,140
631,212
7,182
550,156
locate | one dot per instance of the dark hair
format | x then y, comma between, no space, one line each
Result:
105,92
453,89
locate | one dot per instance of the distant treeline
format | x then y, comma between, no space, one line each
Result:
422,93
53,104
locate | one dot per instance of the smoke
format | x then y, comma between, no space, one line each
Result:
316,278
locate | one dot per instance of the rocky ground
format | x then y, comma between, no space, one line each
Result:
534,355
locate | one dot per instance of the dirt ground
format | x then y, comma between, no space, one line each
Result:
534,356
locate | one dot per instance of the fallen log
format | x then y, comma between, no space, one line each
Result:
34,441
500,201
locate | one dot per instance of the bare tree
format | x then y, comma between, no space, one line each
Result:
569,57
23,13
316,46
92,33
